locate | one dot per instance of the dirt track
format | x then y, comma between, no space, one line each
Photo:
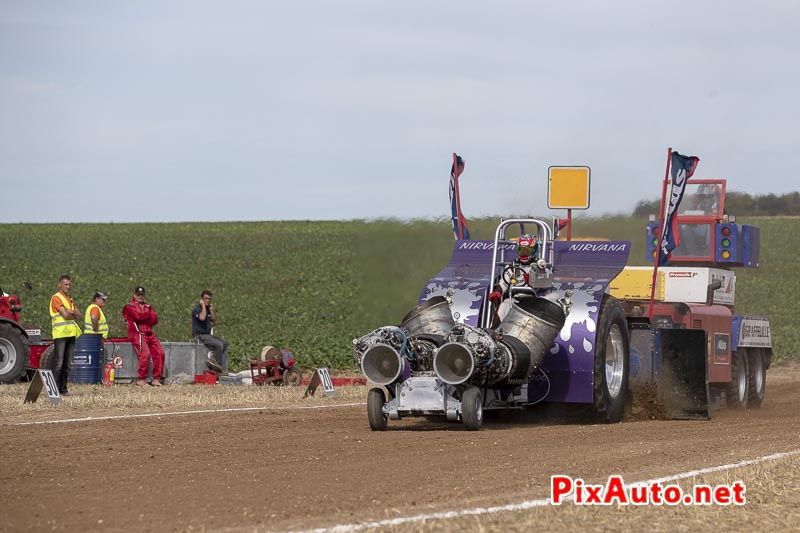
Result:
300,469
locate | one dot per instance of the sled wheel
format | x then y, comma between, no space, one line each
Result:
472,409
737,393
292,377
13,354
756,377
377,419
611,361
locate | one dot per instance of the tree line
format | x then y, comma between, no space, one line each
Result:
741,204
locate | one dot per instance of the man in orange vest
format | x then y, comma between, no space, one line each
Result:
95,321
63,314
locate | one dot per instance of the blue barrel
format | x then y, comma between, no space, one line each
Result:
87,361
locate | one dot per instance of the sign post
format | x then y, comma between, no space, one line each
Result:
320,377
43,379
568,188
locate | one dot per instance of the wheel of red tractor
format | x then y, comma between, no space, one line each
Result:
738,389
292,377
46,358
378,421
756,377
13,354
611,362
472,409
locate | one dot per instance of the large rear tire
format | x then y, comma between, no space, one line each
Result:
756,378
612,356
472,409
14,353
378,421
737,393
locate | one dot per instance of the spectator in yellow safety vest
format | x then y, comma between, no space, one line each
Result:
95,321
63,314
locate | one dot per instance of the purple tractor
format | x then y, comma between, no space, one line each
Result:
507,324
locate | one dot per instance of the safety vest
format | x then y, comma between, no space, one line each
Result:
61,326
101,322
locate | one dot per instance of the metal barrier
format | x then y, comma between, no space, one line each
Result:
179,357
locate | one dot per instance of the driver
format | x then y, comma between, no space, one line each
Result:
527,246
706,199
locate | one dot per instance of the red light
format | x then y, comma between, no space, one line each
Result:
726,231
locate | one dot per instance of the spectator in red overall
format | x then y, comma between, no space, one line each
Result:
141,318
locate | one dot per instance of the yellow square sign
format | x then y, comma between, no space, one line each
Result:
568,187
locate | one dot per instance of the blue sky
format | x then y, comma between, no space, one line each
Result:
256,110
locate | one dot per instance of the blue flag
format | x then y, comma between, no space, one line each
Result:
681,169
460,228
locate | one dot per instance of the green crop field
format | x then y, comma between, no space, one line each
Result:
311,286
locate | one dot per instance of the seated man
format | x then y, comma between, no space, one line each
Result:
525,271
203,319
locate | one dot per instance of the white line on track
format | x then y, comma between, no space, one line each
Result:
175,413
344,528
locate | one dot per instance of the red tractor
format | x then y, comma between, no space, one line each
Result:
21,345
691,341
17,342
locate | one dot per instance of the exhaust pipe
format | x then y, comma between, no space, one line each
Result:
520,362
454,363
382,364
508,355
506,361
431,317
533,323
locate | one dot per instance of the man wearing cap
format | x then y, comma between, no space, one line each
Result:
141,318
95,321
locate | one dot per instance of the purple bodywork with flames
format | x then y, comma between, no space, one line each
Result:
583,267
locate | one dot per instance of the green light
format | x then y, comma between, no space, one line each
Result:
726,242
655,242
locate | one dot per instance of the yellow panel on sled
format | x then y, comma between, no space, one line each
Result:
568,187
635,283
